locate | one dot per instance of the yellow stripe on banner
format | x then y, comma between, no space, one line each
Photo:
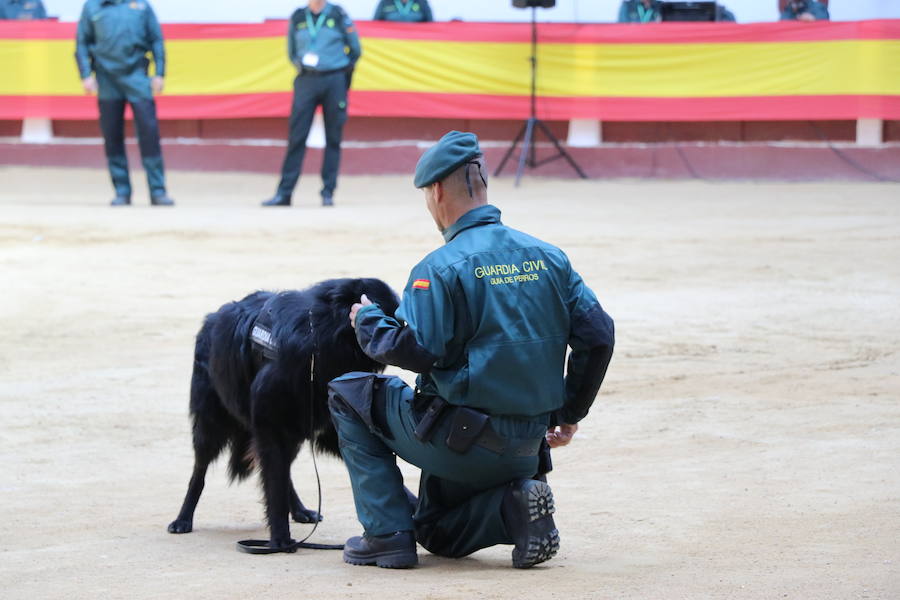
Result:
639,70
218,66
260,65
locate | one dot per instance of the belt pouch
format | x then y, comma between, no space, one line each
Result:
465,429
545,462
425,426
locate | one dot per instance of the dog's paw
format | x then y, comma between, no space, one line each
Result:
305,515
181,526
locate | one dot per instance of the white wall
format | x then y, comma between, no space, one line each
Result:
579,11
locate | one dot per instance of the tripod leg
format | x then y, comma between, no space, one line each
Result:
560,149
527,145
532,155
511,149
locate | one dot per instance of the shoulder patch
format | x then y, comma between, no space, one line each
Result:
421,284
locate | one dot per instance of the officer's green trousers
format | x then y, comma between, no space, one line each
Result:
311,90
460,495
114,92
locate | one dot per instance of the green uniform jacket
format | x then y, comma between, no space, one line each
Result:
633,11
816,9
114,36
413,11
486,320
22,10
331,36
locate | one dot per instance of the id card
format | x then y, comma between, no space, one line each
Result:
311,60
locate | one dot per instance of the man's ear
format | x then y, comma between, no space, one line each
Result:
438,191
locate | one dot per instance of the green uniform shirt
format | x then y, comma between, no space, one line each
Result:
486,319
22,10
114,36
324,42
410,11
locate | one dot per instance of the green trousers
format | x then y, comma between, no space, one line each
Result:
134,89
460,495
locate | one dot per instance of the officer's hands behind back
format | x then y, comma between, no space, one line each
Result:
561,435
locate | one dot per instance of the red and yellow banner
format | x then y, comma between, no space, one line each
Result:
672,71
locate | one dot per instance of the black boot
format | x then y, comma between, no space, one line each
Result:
162,200
277,200
327,199
393,551
528,515
121,201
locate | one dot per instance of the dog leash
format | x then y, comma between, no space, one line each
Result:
262,546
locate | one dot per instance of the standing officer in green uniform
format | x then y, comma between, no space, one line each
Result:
324,46
485,320
22,10
640,11
114,37
403,11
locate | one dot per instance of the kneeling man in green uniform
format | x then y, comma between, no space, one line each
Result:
485,321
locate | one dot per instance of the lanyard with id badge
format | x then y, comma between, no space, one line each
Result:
311,58
404,9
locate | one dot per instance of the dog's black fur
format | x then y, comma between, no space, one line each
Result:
265,409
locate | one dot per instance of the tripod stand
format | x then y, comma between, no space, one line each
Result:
528,154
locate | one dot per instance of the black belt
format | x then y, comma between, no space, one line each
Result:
469,427
314,73
491,440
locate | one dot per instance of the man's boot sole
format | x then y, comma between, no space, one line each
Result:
398,559
543,543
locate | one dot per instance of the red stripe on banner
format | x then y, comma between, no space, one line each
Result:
467,106
558,33
225,106
649,33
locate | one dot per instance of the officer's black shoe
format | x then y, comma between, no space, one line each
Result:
121,201
393,551
162,200
277,200
327,200
528,514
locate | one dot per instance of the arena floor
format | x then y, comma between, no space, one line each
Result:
746,444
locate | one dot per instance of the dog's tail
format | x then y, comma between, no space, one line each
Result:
243,457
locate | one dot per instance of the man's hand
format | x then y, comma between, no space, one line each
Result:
89,84
157,84
561,435
805,17
363,301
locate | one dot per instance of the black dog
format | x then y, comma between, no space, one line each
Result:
252,388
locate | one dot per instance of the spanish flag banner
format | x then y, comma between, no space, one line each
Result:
667,71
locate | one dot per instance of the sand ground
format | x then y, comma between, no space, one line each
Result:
746,443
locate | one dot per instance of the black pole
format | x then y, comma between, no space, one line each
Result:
528,152
533,62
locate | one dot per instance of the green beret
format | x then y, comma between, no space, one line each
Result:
451,152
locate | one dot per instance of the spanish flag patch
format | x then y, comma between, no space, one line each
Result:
421,284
